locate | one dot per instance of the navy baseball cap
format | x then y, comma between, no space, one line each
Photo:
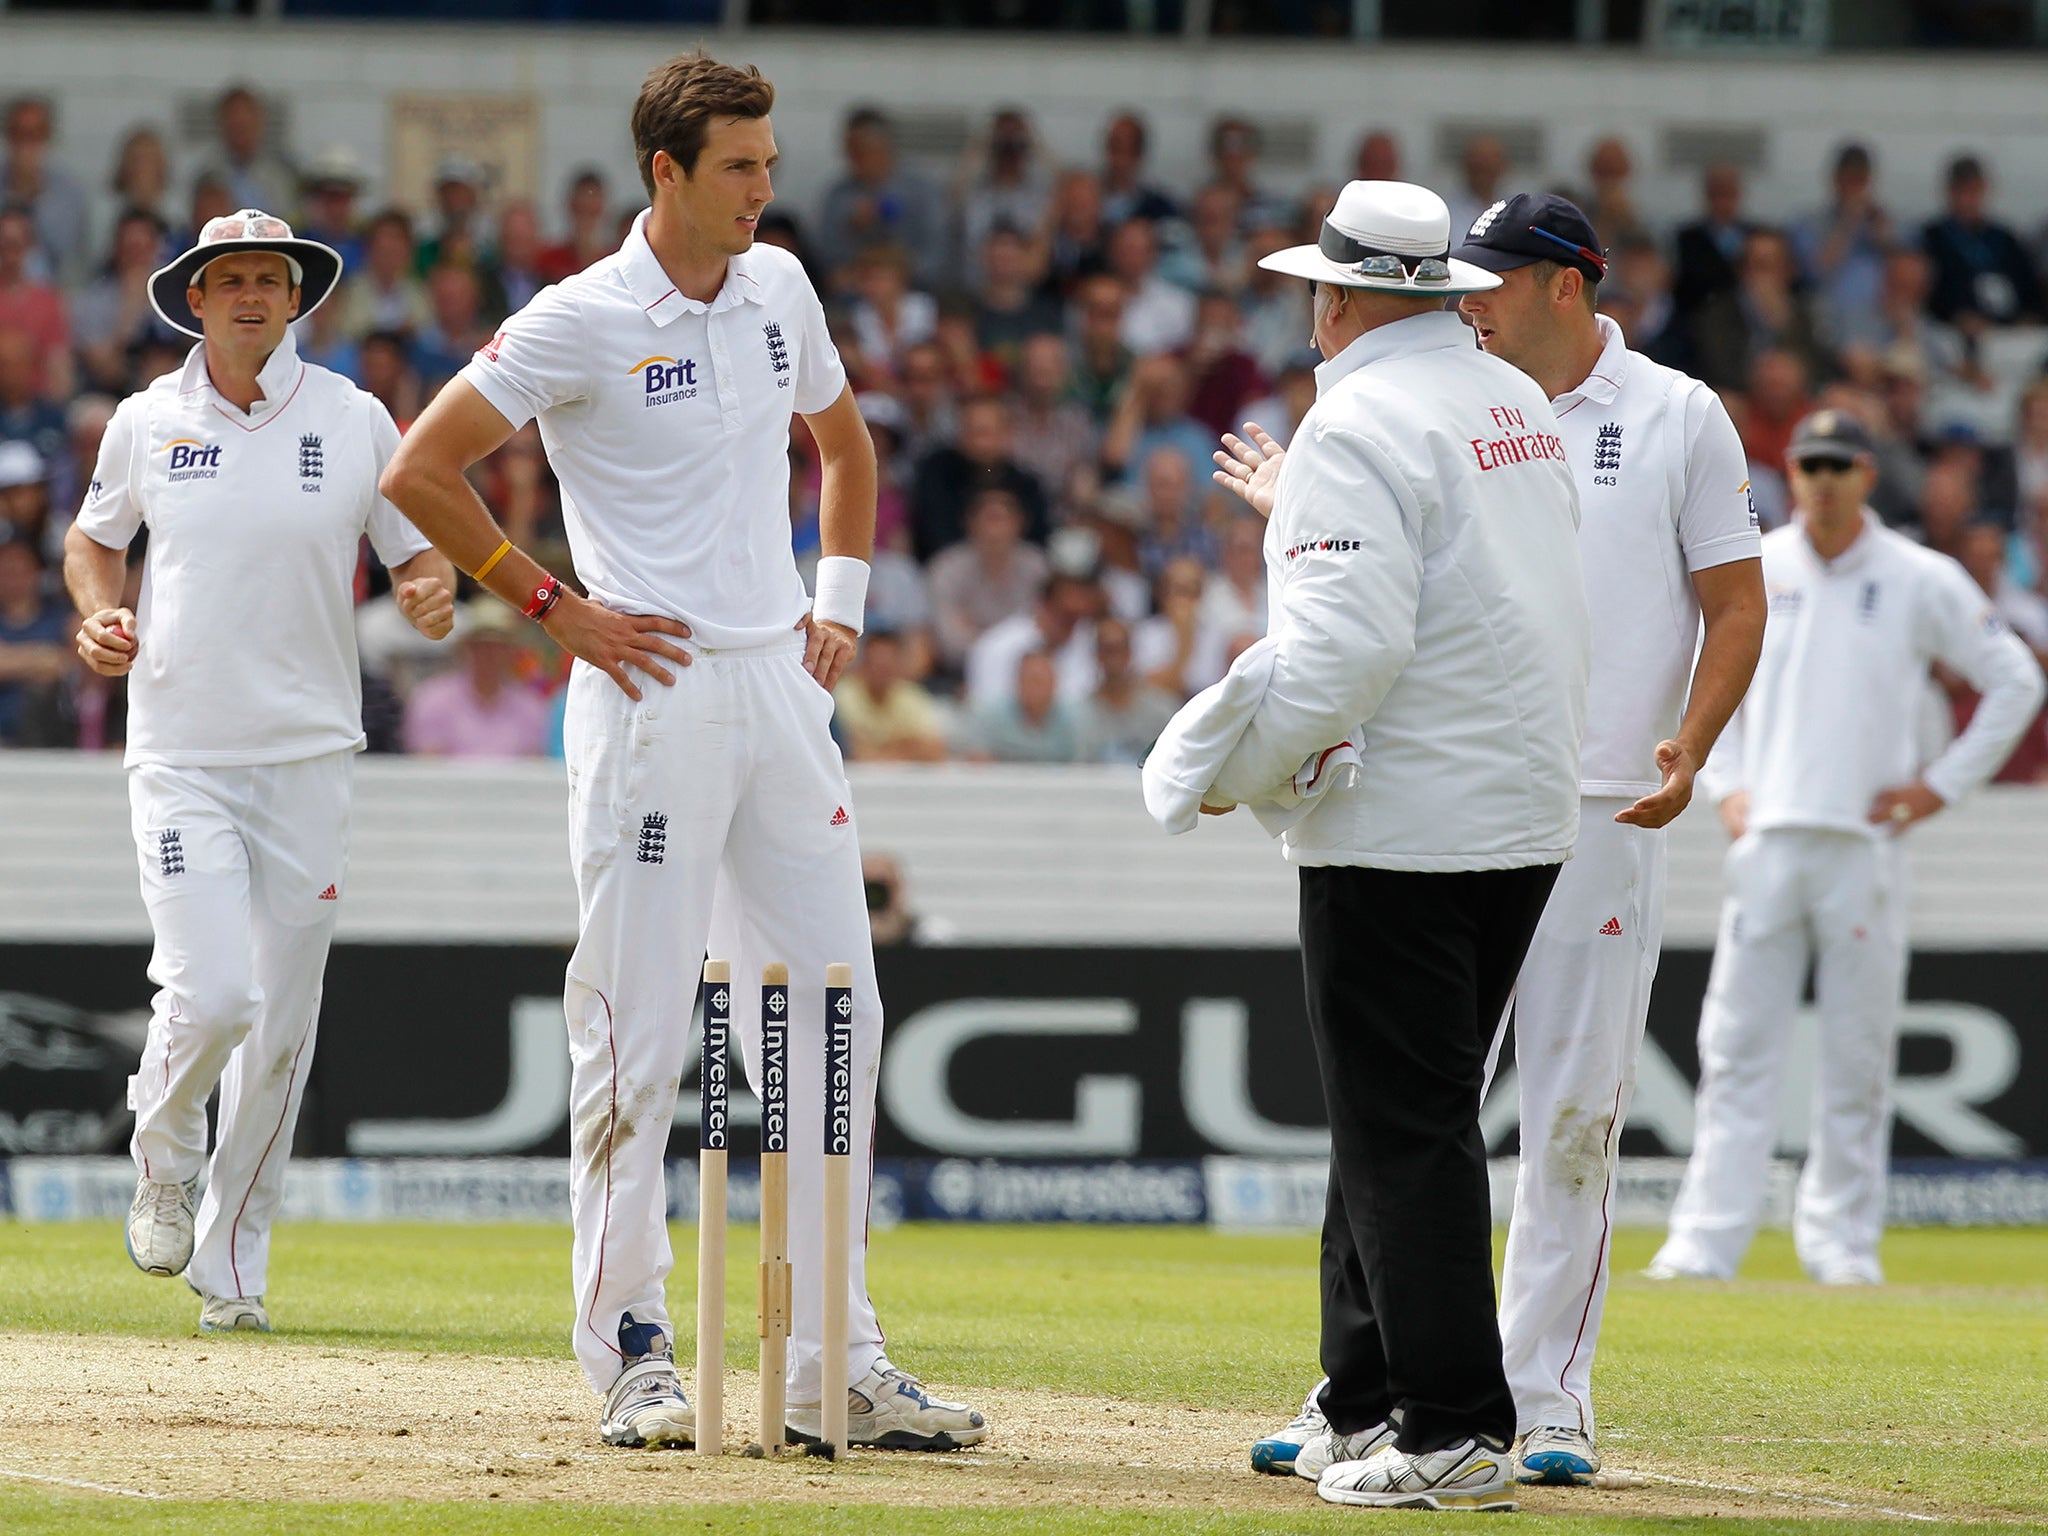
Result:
1531,227
1830,434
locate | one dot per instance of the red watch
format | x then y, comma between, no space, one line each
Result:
543,601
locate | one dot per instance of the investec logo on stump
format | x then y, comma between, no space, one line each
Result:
193,460
666,379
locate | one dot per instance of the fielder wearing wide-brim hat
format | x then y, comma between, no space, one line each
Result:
1388,237
316,268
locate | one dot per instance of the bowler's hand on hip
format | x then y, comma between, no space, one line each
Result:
1251,469
107,641
828,647
1900,808
428,606
612,642
1662,808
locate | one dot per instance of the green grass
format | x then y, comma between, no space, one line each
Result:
1934,1387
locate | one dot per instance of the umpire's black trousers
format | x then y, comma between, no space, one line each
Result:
1408,975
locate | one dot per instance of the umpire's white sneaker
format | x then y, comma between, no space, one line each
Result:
160,1226
1557,1456
1321,1452
1277,1451
232,1314
646,1406
1469,1475
891,1411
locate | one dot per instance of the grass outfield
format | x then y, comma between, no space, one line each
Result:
1930,1394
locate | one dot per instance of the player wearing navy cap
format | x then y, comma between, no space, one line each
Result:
1817,778
1668,539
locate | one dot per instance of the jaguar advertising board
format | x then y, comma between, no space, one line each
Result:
1035,1055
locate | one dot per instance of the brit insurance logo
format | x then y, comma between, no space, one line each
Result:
192,460
666,379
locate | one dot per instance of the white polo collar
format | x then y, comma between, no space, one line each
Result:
1605,381
278,378
1862,549
1431,331
656,294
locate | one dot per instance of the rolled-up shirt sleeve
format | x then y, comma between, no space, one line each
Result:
1968,634
1348,599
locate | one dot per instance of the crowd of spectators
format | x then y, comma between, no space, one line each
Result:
1045,354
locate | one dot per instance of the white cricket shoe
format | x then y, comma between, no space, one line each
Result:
1469,1475
1276,1452
1557,1456
1848,1272
891,1411
1661,1268
160,1226
232,1314
1324,1451
646,1406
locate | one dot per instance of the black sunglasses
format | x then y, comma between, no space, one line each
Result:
1826,466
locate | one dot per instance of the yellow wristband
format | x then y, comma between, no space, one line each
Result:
490,565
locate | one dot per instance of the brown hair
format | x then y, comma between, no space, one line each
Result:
678,101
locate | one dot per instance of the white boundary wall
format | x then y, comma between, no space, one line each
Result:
454,852
110,73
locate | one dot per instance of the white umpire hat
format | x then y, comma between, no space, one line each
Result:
316,268
1388,236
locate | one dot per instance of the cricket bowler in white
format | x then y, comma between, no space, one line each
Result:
708,804
1667,537
256,474
1817,779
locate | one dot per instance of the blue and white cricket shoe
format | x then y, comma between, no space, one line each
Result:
159,1234
645,1406
889,1410
1557,1457
1276,1452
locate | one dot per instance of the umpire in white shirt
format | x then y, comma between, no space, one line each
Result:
1816,776
1428,611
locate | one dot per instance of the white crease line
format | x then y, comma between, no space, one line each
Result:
1797,1498
72,1482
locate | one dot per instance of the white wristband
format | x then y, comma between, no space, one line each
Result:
842,591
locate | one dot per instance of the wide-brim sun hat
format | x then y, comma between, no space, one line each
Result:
1388,237
316,268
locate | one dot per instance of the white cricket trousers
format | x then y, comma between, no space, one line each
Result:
1797,896
1581,1003
713,813
242,870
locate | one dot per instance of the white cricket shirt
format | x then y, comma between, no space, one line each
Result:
1832,715
246,636
1426,605
1663,492
667,423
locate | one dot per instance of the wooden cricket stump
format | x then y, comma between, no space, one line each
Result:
713,1124
836,1279
775,1273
